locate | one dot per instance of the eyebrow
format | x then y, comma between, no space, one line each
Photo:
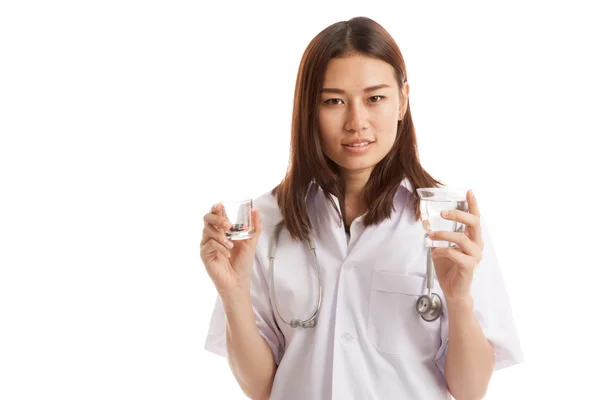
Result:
340,91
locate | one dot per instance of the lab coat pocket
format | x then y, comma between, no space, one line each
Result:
394,327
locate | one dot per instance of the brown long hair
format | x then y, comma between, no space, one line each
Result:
307,160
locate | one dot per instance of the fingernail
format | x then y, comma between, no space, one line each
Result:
229,244
429,233
445,213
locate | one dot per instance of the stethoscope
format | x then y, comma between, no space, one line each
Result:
429,306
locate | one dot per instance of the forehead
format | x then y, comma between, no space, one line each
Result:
358,71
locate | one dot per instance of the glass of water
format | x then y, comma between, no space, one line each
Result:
239,214
433,202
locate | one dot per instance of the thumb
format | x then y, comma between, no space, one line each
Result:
258,225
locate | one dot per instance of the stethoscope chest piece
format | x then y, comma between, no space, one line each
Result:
429,307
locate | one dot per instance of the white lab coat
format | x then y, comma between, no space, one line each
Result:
369,342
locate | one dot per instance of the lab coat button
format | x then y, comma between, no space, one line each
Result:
349,264
346,337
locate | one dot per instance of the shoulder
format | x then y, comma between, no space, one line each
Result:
266,204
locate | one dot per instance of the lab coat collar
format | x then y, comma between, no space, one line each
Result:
313,186
406,185
325,218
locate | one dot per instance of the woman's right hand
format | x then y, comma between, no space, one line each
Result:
229,264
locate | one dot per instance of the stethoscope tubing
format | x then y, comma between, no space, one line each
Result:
294,323
428,306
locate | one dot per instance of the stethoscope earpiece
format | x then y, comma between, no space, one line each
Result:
296,323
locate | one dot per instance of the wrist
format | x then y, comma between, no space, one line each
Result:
460,302
460,307
234,297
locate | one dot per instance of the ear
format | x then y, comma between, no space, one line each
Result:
403,101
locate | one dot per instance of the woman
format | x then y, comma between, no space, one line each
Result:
352,181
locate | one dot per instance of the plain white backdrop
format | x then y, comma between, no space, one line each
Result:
122,122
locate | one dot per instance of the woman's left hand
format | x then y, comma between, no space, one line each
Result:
454,267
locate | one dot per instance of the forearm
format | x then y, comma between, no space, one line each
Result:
470,357
249,355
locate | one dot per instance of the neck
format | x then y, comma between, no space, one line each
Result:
354,203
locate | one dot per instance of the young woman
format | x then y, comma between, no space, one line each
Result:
351,188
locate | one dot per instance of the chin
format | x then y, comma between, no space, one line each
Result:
355,165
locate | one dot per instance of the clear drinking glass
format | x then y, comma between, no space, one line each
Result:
433,202
239,214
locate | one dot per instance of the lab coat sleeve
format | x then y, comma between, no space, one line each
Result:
492,309
265,321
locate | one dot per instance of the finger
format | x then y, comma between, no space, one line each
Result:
216,220
460,216
459,238
257,221
219,209
472,202
461,259
472,222
476,229
211,247
210,232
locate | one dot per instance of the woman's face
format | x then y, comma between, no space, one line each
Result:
360,103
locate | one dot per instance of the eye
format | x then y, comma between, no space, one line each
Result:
378,99
333,101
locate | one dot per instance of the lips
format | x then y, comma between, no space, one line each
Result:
362,149
358,143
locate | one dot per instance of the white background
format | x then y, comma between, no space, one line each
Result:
120,122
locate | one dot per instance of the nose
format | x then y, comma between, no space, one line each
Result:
356,120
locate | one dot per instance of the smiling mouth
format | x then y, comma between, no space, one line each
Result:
362,144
